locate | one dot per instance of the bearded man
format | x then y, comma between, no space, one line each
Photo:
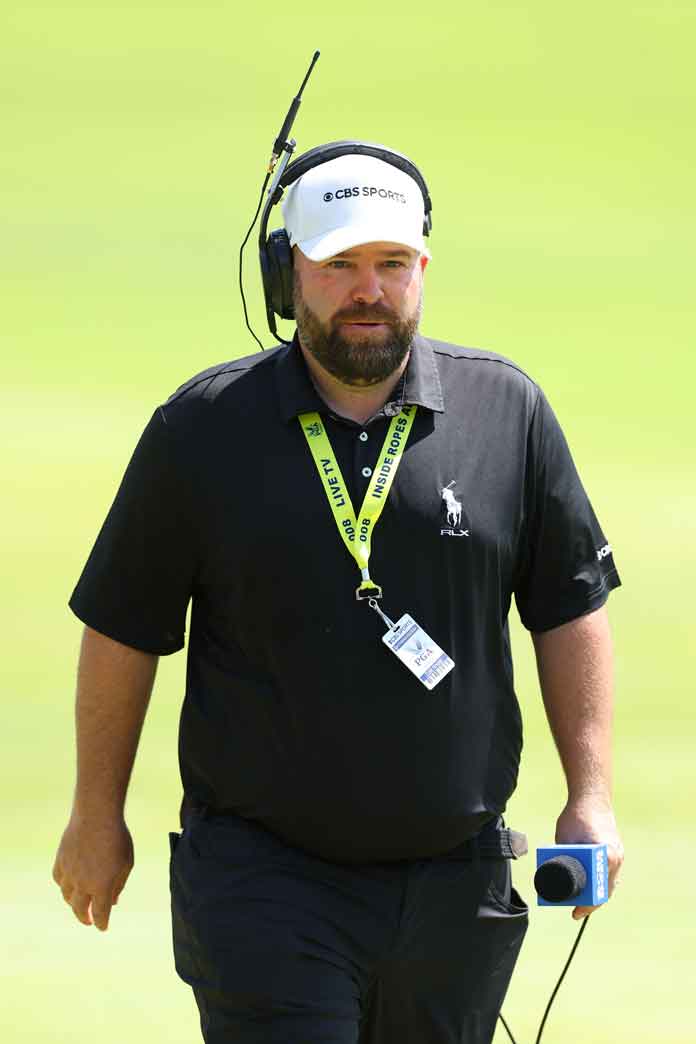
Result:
343,872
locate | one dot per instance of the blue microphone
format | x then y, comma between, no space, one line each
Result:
572,875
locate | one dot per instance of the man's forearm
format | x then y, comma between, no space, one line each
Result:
114,684
575,665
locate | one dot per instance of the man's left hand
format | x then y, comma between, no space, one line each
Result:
591,822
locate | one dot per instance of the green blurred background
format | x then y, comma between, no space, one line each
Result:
558,144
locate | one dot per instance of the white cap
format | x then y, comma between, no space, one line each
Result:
350,201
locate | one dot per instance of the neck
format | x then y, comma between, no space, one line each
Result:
356,402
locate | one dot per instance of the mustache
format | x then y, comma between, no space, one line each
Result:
366,313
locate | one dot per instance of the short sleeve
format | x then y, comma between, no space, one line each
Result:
566,566
137,582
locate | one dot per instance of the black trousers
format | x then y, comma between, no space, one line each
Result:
281,947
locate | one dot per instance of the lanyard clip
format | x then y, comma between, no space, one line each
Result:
367,590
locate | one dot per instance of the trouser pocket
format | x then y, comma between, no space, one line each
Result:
501,925
186,958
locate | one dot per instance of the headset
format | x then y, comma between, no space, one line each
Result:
275,252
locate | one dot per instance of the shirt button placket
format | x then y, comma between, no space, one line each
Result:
363,470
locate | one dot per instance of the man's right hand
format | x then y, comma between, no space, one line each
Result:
92,866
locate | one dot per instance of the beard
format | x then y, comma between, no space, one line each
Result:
363,360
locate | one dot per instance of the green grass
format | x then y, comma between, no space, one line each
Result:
558,146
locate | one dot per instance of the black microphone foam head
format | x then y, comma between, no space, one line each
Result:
560,879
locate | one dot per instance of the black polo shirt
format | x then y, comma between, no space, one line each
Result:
296,714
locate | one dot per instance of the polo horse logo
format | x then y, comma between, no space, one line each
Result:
454,506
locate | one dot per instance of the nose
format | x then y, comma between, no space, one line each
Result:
368,285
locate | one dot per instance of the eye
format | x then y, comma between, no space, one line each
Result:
393,263
338,263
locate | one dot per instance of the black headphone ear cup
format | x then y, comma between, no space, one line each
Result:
266,276
280,273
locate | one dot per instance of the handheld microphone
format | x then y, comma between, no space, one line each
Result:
569,875
572,875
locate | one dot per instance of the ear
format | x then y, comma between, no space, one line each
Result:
424,262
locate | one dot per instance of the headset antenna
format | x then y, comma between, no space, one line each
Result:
281,143
280,146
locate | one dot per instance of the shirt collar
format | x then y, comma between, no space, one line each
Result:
423,386
296,393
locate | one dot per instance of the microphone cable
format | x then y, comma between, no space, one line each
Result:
578,937
241,253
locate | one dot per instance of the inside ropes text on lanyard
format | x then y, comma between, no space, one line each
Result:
405,638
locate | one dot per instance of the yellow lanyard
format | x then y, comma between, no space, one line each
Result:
357,533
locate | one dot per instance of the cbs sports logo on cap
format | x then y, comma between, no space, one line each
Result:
368,191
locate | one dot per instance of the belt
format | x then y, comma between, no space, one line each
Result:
493,841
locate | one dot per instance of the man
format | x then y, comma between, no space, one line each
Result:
343,872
